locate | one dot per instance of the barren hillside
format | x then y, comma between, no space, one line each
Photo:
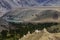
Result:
42,14
41,35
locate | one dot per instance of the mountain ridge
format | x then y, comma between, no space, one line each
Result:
9,4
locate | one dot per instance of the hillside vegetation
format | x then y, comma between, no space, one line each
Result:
20,30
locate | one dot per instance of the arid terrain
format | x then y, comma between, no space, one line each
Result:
36,14
41,35
31,24
29,19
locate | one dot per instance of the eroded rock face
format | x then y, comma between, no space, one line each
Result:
42,35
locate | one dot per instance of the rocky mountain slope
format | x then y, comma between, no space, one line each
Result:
41,35
7,5
26,15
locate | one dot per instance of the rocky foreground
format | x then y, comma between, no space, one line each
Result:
41,35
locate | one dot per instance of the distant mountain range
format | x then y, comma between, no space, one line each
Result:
32,15
22,15
9,4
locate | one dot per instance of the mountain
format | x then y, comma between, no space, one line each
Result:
7,5
41,35
35,14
